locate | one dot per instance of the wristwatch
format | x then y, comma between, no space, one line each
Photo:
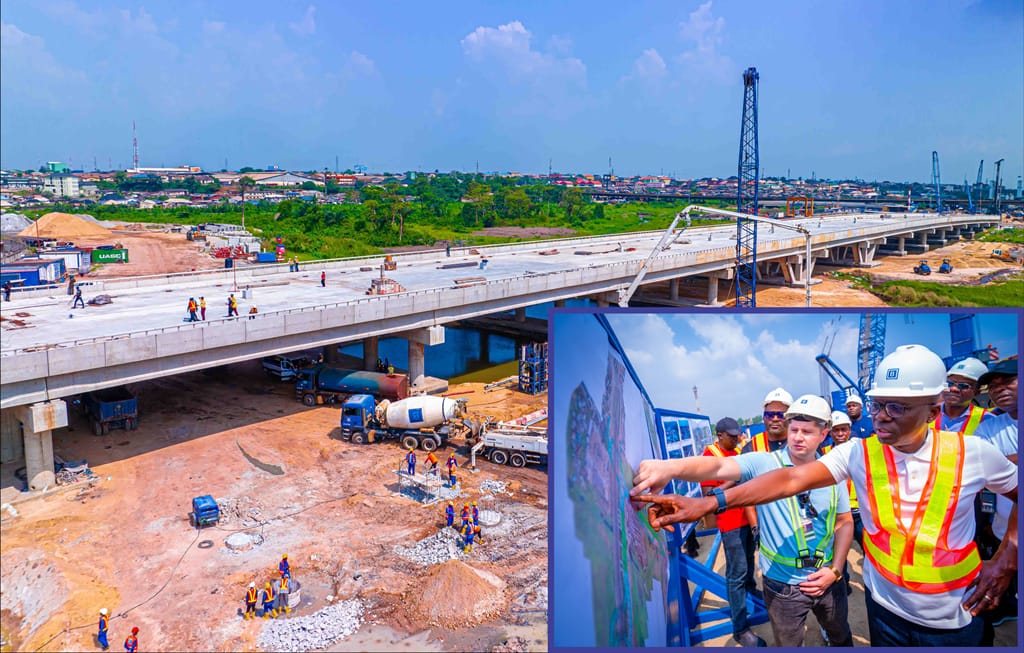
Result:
839,574
720,495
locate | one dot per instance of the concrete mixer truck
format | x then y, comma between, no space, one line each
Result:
425,422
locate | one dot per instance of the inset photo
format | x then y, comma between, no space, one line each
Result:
783,478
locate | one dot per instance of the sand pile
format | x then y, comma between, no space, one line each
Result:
455,594
64,225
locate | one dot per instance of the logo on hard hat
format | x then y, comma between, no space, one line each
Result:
892,373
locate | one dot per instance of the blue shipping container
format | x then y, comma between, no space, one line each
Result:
266,257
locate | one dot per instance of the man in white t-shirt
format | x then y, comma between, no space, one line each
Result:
916,487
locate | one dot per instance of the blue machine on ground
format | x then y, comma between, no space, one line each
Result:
111,408
946,266
923,268
205,511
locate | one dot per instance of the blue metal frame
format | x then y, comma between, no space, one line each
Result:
746,180
936,182
871,347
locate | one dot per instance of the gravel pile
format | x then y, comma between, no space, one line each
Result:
440,547
495,487
316,631
242,510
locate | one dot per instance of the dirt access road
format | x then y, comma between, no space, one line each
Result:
279,468
151,251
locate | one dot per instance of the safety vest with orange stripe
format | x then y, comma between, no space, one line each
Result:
918,558
760,442
974,416
716,450
250,595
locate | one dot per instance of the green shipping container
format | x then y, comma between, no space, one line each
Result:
109,256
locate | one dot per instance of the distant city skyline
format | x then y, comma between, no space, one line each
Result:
849,90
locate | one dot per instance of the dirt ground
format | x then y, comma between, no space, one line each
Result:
127,544
525,232
151,252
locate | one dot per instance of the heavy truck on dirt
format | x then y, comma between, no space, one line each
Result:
321,384
422,422
509,444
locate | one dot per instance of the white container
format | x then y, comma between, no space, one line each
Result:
425,411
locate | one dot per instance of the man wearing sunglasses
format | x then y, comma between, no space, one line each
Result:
773,437
959,412
925,584
804,539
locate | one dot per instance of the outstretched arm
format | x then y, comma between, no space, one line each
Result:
653,475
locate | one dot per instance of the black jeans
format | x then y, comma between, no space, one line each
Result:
739,574
888,629
788,608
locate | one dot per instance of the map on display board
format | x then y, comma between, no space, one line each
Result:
684,435
611,569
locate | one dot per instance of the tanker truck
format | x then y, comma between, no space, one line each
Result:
320,384
425,422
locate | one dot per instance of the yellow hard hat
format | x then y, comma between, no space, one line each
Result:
285,556
474,503
450,503
268,585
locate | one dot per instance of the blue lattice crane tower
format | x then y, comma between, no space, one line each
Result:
746,196
870,347
936,182
977,186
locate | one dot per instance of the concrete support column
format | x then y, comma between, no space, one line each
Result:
902,248
923,240
371,352
521,314
602,301
864,253
38,422
331,356
713,288
559,303
12,441
673,289
416,362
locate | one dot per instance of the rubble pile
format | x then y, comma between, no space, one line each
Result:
243,511
315,631
440,547
495,487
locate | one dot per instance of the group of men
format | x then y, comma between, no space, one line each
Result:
432,463
901,483
196,307
275,603
131,643
470,528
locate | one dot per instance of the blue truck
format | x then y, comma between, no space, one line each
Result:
111,408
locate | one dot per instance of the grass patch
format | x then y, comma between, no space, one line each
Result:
1002,235
1004,293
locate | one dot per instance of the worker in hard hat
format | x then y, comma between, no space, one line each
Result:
250,602
131,643
774,413
476,514
467,537
268,602
860,424
959,412
102,635
466,515
283,567
925,584
1002,431
478,534
432,461
452,466
449,513
410,462
282,595
737,539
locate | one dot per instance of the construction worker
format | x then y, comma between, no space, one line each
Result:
252,312
925,584
283,567
467,537
131,643
449,513
410,462
465,515
102,635
192,308
476,514
78,298
1002,431
232,306
959,412
804,539
282,595
737,540
202,308
452,466
432,461
268,602
250,602
774,413
478,535
323,279
860,424
7,290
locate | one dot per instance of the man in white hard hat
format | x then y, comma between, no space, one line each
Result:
860,424
804,539
925,584
773,437
959,412
101,637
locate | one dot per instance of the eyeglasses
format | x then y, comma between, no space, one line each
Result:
804,498
774,414
893,409
960,385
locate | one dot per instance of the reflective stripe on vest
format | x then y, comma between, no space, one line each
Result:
761,442
919,558
853,495
250,595
798,530
974,416
715,451
826,449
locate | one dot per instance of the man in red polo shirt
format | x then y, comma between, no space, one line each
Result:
737,539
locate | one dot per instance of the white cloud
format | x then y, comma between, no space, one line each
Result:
705,34
32,68
307,25
69,13
649,66
508,46
360,65
212,27
141,23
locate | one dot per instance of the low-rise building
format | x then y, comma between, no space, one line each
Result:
62,185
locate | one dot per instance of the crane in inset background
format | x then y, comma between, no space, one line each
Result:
936,182
746,195
977,185
696,400
999,164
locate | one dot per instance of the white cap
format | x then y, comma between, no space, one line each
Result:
779,395
811,406
103,611
855,399
252,584
910,371
971,368
840,418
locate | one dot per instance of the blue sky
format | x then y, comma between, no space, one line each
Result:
736,359
848,89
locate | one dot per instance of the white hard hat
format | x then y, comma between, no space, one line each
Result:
910,371
839,418
780,395
810,406
972,368
103,611
252,584
855,399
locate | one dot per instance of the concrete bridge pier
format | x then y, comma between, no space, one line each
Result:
38,421
331,355
713,279
794,268
418,341
559,303
673,289
864,254
521,314
901,248
371,353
